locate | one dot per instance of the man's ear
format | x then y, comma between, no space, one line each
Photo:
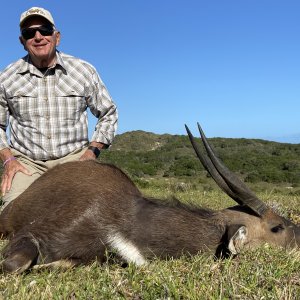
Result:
58,36
22,42
237,236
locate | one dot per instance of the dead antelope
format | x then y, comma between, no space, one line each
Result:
77,211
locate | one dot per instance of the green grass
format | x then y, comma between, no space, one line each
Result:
266,273
263,274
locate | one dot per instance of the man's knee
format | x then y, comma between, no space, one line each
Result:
19,184
8,197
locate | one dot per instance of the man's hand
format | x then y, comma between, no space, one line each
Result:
10,169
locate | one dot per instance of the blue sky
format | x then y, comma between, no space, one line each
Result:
232,65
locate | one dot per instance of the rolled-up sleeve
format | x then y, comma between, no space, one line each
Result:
3,119
102,107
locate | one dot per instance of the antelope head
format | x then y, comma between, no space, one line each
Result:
252,222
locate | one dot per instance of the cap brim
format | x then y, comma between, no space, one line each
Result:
35,15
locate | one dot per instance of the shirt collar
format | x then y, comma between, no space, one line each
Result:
27,66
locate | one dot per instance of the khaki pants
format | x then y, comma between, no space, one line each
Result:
22,181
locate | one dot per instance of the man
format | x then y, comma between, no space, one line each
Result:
44,97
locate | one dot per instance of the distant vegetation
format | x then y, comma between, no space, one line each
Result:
143,154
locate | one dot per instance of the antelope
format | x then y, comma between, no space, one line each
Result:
77,212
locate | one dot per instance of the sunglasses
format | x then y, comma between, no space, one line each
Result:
44,30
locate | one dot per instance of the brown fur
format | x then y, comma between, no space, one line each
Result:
70,212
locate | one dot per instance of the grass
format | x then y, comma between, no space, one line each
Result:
266,273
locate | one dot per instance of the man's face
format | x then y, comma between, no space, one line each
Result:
41,48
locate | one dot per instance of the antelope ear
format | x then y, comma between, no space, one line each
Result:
238,236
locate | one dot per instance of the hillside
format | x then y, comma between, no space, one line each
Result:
144,154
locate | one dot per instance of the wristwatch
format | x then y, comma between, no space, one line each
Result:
95,150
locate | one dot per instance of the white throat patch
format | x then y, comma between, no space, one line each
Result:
126,249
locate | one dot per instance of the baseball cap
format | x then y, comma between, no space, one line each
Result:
36,11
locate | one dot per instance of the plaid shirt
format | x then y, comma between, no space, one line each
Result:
47,113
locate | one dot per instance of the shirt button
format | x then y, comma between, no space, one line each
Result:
49,137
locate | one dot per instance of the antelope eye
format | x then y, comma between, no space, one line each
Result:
277,228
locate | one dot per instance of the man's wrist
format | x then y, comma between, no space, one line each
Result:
95,150
8,160
5,153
